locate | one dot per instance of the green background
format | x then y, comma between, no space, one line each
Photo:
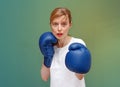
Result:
97,22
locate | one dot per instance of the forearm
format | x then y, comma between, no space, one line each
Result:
79,76
45,72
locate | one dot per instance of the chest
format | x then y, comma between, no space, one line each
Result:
59,58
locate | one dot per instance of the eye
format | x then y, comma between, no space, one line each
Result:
64,24
54,24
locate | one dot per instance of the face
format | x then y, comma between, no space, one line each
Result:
60,27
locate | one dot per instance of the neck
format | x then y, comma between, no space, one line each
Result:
63,42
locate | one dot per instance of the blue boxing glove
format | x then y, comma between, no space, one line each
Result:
78,59
46,42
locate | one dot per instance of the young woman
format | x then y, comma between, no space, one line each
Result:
60,75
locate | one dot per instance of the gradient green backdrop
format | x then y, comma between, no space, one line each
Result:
97,22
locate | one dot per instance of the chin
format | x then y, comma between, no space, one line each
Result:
60,38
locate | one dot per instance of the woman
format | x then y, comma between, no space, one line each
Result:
60,76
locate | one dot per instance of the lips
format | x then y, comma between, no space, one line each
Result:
59,34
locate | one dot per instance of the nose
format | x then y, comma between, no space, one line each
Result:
59,28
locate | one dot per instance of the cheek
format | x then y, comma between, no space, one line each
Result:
53,30
67,29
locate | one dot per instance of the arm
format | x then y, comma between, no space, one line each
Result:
79,76
78,60
46,42
45,72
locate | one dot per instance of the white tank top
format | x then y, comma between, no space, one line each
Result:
60,76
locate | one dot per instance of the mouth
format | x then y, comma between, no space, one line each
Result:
59,34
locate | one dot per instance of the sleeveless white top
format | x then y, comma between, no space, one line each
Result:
60,76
